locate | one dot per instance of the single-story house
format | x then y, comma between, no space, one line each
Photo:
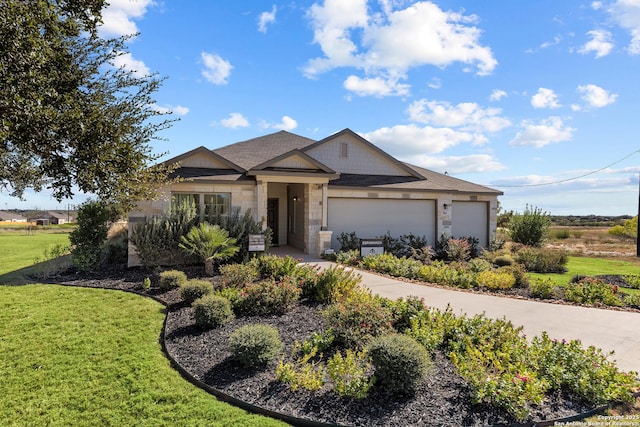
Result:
11,217
308,192
51,217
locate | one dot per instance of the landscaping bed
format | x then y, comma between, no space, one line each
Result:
443,399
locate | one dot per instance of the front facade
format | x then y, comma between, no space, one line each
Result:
308,192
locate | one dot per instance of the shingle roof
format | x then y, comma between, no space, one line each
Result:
253,152
8,216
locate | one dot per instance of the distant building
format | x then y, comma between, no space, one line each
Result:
11,217
51,217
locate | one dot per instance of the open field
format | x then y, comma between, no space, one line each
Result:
592,241
19,250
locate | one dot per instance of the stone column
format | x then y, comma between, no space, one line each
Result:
261,199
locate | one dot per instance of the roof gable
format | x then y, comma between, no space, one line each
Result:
294,160
203,158
348,152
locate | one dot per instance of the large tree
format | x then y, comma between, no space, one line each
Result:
70,119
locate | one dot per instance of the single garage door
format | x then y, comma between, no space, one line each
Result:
471,219
374,217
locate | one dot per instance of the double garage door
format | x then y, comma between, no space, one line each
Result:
374,217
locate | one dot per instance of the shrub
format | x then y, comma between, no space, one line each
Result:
116,248
543,260
332,284
411,243
392,245
240,227
632,280
519,273
390,264
404,310
318,342
496,279
193,289
458,250
210,243
424,254
171,279
543,288
350,374
476,265
400,363
348,241
235,297
146,284
562,234
157,238
350,257
269,297
238,275
503,261
429,327
254,346
358,318
212,311
302,372
592,291
275,267
453,274
530,227
632,300
89,238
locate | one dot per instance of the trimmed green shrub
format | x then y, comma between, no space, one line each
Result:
476,265
530,227
171,279
404,310
519,273
193,289
350,374
351,257
495,280
238,275
632,300
348,241
88,240
276,267
503,261
332,284
254,346
302,371
543,260
400,363
430,327
212,311
270,297
592,291
543,288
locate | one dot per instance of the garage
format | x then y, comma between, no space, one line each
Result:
374,217
471,219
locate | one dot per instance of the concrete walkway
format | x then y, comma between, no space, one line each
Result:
609,330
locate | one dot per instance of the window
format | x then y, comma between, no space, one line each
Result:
217,204
344,150
179,198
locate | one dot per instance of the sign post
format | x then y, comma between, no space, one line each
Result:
256,243
371,247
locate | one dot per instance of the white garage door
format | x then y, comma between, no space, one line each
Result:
471,219
374,217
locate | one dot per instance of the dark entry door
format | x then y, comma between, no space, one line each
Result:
272,219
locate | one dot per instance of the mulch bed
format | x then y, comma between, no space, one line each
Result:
443,399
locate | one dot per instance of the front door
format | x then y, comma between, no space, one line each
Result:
272,219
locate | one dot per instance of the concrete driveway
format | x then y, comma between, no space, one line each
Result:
610,330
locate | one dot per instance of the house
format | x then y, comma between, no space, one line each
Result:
11,217
51,217
308,192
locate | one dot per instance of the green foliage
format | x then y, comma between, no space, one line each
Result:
210,243
254,346
458,250
234,295
350,374
543,288
530,227
543,260
519,273
454,275
302,371
592,291
404,310
350,257
51,261
562,234
628,229
116,249
238,275
585,373
269,297
146,284
632,300
70,120
193,289
358,318
503,260
388,263
429,327
495,279
171,279
317,342
348,241
332,284
89,238
410,244
633,281
476,265
157,238
400,363
240,227
276,267
212,311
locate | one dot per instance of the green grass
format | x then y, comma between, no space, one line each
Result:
583,266
17,250
87,357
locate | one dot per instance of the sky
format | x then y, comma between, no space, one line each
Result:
539,99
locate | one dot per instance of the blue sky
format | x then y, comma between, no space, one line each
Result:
510,94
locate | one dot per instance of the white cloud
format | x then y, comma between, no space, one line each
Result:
453,165
287,124
266,18
627,14
234,121
550,130
376,86
128,62
216,70
435,83
388,44
497,95
545,98
596,96
411,140
118,16
600,43
596,5
171,109
468,116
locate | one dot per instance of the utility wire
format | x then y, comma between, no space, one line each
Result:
568,179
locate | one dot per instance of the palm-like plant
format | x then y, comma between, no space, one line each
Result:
210,243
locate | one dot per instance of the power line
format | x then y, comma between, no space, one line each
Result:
569,179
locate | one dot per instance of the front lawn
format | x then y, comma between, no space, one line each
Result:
19,250
86,357
584,266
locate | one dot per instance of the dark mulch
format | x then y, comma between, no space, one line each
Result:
443,400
